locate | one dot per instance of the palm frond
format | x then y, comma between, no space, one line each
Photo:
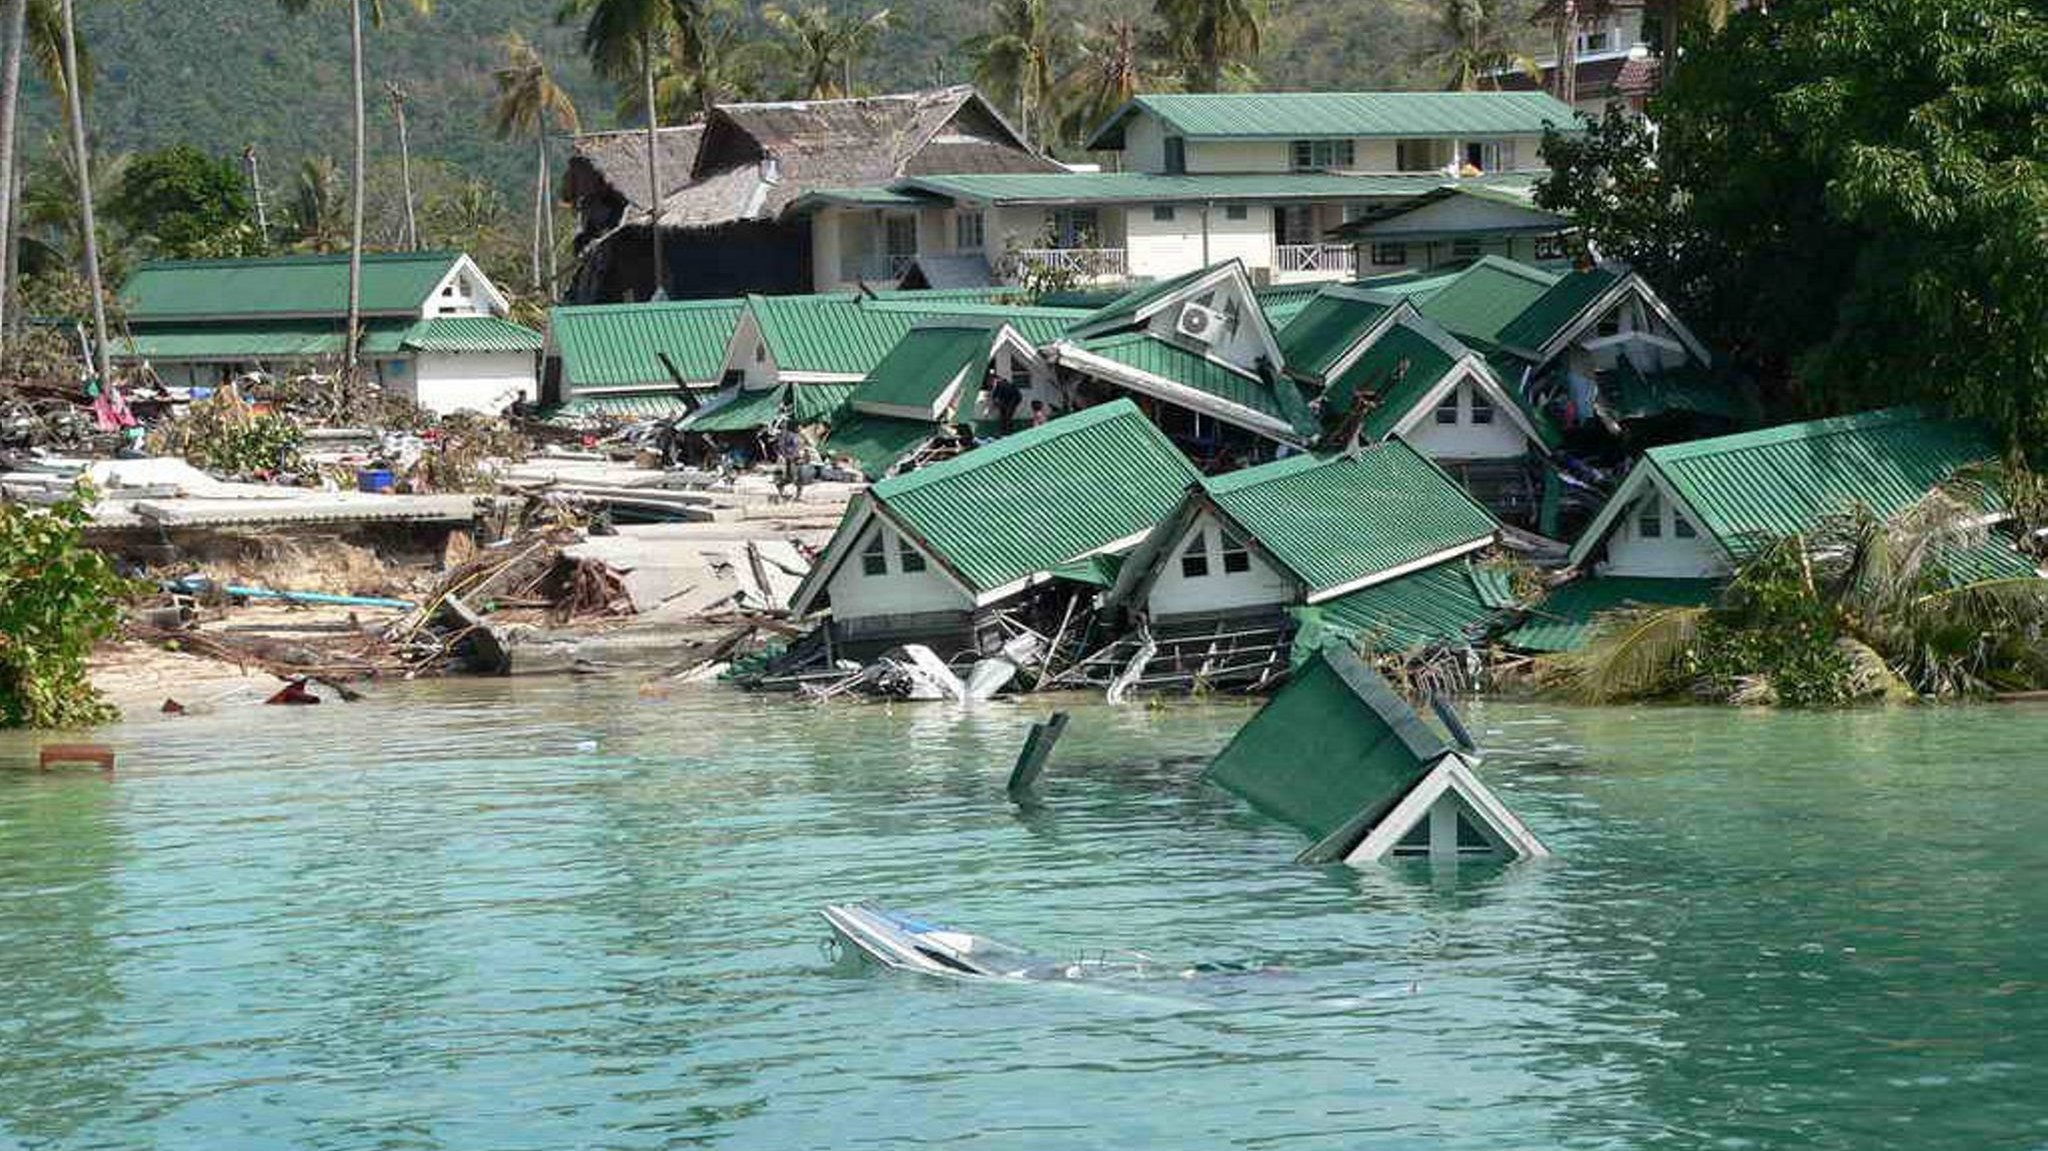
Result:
1634,652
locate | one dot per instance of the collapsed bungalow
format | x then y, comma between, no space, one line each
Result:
932,556
434,327
1690,514
635,361
1337,754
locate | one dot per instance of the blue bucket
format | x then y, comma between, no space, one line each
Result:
379,480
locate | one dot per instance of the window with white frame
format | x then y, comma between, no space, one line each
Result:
1482,407
1447,409
1650,519
1176,155
1074,227
1415,155
1194,559
1490,155
1550,248
1318,155
1465,248
1163,213
1237,558
907,557
1237,211
1681,527
874,558
970,231
1610,324
1385,255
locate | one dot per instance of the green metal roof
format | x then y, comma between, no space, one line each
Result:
738,411
620,345
877,443
1486,297
1556,308
846,335
1329,325
1281,400
1564,619
273,341
1785,480
1155,188
1335,519
1450,605
631,407
1123,310
1397,370
393,283
866,197
1330,751
471,334
912,379
821,403
1098,570
1295,115
1690,389
1041,497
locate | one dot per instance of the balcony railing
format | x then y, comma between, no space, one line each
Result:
1081,263
1335,259
876,267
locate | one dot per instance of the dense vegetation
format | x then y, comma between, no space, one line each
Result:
57,599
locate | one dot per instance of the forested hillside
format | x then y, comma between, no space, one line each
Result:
221,74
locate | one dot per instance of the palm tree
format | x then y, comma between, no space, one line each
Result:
716,62
358,177
1209,37
33,28
1013,63
529,101
1476,47
624,38
412,222
1111,67
821,47
316,208
87,226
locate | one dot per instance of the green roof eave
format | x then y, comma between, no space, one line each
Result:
1349,115
1061,188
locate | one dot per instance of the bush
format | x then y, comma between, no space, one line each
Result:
57,599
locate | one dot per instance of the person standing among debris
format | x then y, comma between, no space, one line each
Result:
1007,396
789,449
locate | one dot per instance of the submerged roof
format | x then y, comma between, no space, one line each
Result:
1486,297
621,345
279,287
876,443
1293,115
1452,604
1564,619
1784,480
1335,521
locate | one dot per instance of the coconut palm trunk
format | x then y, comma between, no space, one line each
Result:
87,224
16,31
412,220
357,182
653,142
540,202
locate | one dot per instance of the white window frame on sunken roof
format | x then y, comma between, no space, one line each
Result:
1428,820
1676,549
1322,155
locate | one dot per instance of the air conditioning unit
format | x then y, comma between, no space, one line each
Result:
1199,323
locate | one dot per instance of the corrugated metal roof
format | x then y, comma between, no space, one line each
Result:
1295,115
620,345
1330,749
1041,497
845,335
1564,619
914,376
471,334
1096,570
1336,519
1155,188
1628,394
1557,307
1785,480
393,283
737,411
616,408
821,403
1280,400
877,443
1397,370
1330,324
1123,310
1441,606
274,341
1486,297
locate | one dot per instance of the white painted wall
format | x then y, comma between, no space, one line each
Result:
748,354
1465,440
857,595
463,293
1173,594
1240,346
484,382
827,243
1631,553
1238,155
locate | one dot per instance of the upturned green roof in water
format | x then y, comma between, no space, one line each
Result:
1450,605
877,443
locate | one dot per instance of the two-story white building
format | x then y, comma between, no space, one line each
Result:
1263,178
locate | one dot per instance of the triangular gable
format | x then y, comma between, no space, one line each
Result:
1456,211
1449,814
1159,309
1472,369
1643,480
1562,315
467,271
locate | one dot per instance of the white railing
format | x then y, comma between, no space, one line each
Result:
875,268
1336,259
1083,263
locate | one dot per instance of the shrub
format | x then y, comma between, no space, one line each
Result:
57,599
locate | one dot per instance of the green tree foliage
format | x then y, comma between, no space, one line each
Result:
1852,197
1477,45
57,599
819,49
1214,41
1016,62
180,203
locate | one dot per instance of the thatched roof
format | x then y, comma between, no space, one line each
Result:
750,161
619,159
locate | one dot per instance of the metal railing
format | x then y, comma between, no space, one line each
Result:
883,267
1085,263
1332,258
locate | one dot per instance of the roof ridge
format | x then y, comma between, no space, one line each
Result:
1789,433
1012,445
299,258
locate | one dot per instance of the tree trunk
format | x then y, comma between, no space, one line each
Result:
654,196
10,106
540,197
554,271
355,241
1567,77
73,82
412,221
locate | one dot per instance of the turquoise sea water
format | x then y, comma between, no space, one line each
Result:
562,916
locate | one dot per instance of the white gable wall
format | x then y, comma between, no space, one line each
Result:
465,292
1175,594
1239,346
1466,439
858,595
1633,552
748,354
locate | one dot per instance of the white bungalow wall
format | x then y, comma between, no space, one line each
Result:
486,382
1032,377
1620,331
1239,346
1175,593
1466,439
858,595
1632,550
747,353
